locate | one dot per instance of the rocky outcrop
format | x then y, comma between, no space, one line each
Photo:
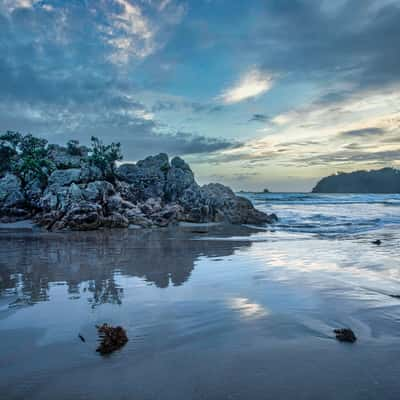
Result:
386,180
71,156
12,199
152,192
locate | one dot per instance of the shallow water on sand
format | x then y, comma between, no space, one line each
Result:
230,314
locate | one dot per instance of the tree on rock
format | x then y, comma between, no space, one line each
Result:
26,156
105,157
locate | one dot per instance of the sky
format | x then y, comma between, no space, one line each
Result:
252,93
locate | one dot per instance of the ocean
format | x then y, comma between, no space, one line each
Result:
330,214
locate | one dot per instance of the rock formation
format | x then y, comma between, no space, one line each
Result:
385,180
77,191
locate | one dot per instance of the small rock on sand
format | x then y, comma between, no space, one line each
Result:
345,335
111,338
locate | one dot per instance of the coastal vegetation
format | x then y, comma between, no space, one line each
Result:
385,180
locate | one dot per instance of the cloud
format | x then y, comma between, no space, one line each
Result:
349,157
129,33
363,132
260,118
252,84
193,106
56,85
11,5
301,39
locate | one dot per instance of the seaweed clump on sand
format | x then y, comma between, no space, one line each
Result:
111,338
345,335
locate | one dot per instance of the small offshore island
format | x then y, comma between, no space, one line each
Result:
81,188
385,180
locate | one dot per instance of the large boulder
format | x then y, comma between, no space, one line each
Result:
12,199
178,178
218,203
90,173
194,205
98,191
33,192
155,177
147,176
11,194
68,157
83,216
115,220
64,177
224,204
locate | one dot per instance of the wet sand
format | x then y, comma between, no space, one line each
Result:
222,314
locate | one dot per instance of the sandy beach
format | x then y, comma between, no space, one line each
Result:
223,313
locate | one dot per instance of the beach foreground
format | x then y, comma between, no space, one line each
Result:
226,314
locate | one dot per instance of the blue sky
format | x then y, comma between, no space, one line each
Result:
256,93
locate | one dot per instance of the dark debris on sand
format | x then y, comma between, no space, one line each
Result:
345,335
81,337
111,338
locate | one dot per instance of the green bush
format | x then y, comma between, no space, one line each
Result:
105,156
28,156
25,156
8,150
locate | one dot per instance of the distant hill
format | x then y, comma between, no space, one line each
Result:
385,180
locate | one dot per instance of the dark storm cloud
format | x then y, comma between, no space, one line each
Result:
351,40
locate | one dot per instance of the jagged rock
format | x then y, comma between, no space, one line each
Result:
136,217
151,206
217,203
61,198
68,157
126,190
148,176
11,191
117,203
127,172
98,191
49,201
115,220
169,214
48,219
12,199
152,192
193,203
179,178
245,213
83,216
33,192
90,173
75,193
64,177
